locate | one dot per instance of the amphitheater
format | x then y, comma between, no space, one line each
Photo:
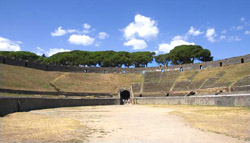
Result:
146,93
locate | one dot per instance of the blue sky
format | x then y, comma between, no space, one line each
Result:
50,26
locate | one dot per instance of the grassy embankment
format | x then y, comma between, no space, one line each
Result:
15,77
226,76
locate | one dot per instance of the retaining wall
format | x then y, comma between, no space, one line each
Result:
10,105
217,100
55,93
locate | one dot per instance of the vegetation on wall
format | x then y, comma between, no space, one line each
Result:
179,55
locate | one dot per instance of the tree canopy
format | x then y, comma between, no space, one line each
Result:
23,55
179,55
185,54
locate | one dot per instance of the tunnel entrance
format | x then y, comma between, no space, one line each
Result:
124,97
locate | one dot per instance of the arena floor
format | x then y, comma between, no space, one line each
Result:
111,124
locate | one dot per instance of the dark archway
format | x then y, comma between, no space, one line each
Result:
242,60
201,67
124,96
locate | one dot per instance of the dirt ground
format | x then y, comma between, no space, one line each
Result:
107,124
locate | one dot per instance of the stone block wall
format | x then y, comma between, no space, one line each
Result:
215,100
10,105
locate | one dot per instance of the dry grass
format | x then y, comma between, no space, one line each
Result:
15,77
231,121
92,82
36,127
227,75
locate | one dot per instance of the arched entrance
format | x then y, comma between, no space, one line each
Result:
124,96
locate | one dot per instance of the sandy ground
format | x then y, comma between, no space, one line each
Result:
105,124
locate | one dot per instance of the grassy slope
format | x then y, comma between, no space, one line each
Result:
15,77
227,75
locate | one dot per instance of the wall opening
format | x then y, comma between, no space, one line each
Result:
242,60
3,60
181,69
26,64
220,64
201,67
124,96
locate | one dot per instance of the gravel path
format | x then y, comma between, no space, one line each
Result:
133,124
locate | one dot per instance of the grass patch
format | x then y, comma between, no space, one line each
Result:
231,121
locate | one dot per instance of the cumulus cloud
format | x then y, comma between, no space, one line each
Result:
137,44
143,27
54,51
211,34
192,31
103,35
247,32
60,32
86,26
167,47
8,45
81,40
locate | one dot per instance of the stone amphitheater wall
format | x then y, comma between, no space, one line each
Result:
49,67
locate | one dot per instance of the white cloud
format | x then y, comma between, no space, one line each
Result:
143,27
234,38
81,40
247,32
40,51
54,51
86,26
178,37
97,44
167,47
60,32
211,34
137,44
192,31
8,45
103,35
242,19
